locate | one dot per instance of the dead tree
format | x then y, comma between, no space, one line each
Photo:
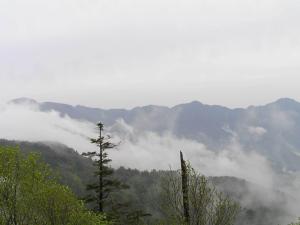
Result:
185,189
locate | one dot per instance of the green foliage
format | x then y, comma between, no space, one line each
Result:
74,170
30,194
207,206
101,188
143,194
297,223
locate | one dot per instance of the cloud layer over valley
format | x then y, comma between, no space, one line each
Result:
141,150
146,150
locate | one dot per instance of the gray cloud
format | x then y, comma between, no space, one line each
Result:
162,52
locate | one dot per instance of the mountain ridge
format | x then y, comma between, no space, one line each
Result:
271,130
283,100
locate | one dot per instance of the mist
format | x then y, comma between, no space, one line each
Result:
27,123
149,150
140,150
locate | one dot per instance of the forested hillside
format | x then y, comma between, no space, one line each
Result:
145,186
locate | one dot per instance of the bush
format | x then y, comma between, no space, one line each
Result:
30,194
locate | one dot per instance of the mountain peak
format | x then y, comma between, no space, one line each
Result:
195,102
189,104
23,100
285,103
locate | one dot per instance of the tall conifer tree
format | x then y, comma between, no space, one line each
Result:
104,183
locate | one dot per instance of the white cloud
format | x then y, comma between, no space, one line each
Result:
138,149
257,131
29,124
208,50
147,150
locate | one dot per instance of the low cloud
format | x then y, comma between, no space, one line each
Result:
148,150
27,123
257,131
137,149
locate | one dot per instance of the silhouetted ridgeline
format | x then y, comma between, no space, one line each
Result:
271,130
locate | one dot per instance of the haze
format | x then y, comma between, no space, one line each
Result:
115,53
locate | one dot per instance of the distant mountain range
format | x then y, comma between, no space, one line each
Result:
272,130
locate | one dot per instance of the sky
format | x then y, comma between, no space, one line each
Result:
121,54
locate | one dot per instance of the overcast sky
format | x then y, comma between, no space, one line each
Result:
124,53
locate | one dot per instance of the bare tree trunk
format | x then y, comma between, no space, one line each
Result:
185,191
101,174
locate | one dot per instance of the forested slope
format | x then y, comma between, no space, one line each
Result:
144,193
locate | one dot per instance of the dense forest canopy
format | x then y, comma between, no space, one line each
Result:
31,194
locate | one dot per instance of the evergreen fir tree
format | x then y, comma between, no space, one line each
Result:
104,183
105,190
